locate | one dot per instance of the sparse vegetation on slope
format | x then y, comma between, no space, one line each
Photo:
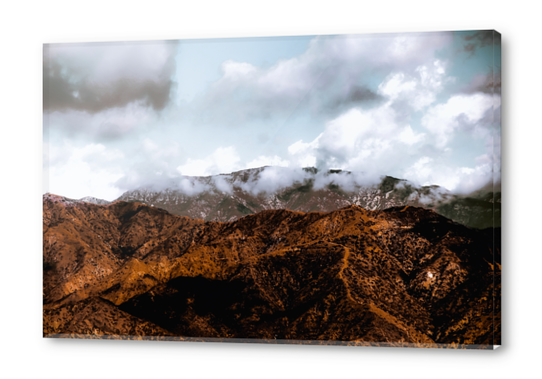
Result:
405,275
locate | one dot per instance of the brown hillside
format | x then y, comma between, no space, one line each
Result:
403,275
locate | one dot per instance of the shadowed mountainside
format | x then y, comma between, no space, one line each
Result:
404,275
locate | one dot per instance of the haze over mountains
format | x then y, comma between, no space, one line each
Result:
403,276
227,197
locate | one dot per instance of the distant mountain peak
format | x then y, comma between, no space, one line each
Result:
68,201
94,200
227,197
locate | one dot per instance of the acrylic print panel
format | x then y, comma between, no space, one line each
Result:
336,189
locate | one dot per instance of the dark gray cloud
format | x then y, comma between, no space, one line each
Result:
97,77
354,96
107,125
480,39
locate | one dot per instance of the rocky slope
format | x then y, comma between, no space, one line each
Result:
231,196
404,276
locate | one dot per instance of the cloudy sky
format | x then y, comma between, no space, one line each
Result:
120,116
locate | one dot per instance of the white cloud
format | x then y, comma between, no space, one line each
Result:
87,170
190,186
158,150
303,154
262,161
395,85
419,88
421,171
346,180
107,124
222,184
357,135
461,111
433,77
371,141
222,160
237,70
456,179
408,136
271,179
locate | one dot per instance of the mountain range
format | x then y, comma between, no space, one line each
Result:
400,276
228,197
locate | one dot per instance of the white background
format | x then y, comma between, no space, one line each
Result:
25,26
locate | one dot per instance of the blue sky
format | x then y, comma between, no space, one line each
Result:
420,106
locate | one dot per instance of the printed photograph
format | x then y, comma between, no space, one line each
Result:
330,189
